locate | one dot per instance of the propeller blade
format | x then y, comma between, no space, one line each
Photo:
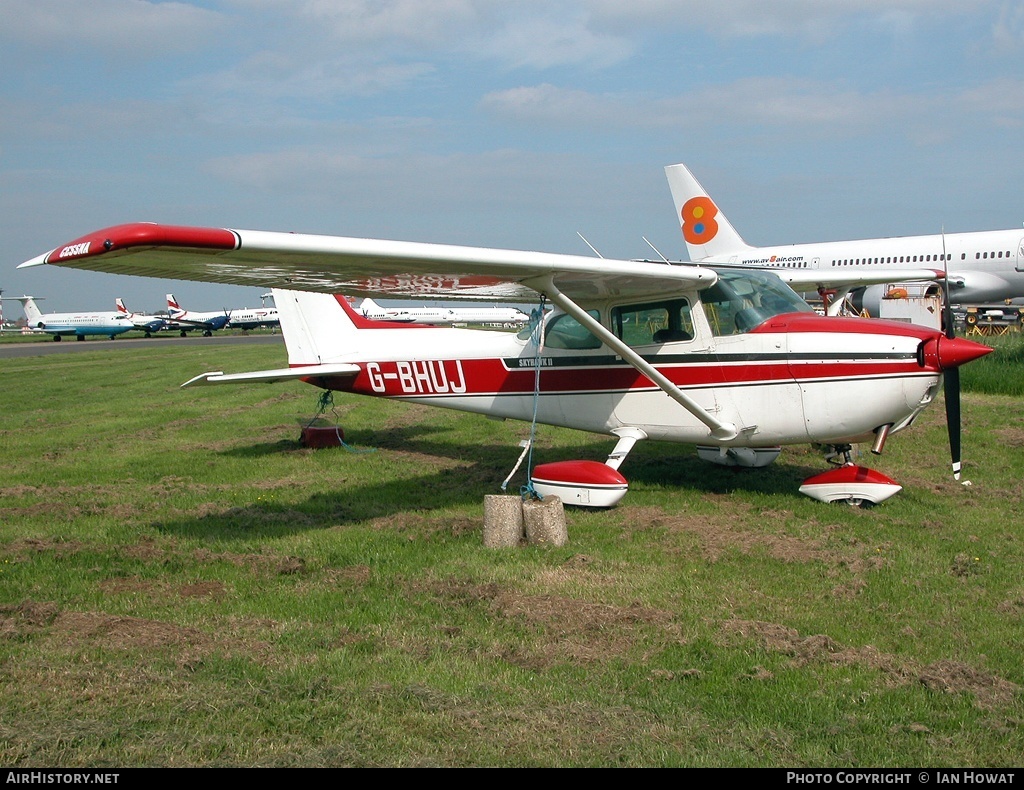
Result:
951,391
951,377
947,308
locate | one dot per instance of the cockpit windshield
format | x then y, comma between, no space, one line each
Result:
742,300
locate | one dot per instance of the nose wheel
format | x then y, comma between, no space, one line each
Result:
839,454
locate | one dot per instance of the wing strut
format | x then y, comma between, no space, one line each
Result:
723,431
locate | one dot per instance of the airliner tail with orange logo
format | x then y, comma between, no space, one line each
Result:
980,266
707,232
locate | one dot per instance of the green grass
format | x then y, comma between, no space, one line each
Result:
182,584
990,373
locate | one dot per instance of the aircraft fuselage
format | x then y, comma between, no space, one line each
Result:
984,266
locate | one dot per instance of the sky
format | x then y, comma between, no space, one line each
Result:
519,125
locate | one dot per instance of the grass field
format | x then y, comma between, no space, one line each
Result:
183,584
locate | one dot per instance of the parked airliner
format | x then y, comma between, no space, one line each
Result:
185,321
243,318
981,266
253,318
145,323
80,325
443,315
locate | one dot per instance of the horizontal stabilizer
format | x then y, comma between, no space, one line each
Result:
271,376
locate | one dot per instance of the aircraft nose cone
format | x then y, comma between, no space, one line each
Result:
946,353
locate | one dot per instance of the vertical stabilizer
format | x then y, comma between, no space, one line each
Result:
316,328
173,308
706,231
33,316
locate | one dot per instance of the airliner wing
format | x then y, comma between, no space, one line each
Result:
361,267
803,279
192,322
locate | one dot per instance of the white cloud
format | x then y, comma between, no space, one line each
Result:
787,18
108,27
805,106
424,22
535,34
560,107
274,75
540,43
423,183
1008,29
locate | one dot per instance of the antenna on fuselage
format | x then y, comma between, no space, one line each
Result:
592,247
663,258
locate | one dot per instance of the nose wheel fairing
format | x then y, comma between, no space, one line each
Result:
856,485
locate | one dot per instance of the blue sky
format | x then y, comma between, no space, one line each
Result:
500,124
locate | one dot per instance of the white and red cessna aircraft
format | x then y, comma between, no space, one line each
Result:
728,359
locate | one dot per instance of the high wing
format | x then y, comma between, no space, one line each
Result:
363,267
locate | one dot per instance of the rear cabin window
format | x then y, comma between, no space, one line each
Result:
653,323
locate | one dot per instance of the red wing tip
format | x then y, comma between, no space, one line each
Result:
143,234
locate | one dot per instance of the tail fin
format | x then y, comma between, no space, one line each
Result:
705,228
33,316
119,303
173,308
318,328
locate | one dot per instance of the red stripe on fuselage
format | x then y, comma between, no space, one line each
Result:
481,377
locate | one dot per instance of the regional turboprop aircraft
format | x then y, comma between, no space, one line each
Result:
243,318
147,323
66,324
982,266
185,321
502,316
731,360
253,318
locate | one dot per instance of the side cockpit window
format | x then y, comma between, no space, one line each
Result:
653,323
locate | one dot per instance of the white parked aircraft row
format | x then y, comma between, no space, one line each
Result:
208,322
83,324
982,266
